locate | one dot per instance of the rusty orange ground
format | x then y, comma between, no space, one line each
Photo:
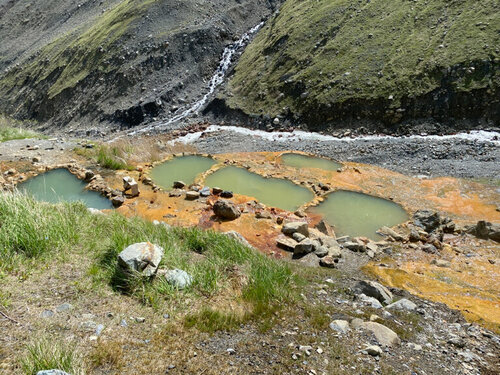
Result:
471,285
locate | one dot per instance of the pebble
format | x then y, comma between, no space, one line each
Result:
47,314
64,307
374,350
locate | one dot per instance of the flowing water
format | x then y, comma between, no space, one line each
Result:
60,185
302,136
274,192
357,214
215,81
305,161
183,168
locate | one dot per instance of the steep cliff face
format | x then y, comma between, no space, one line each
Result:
374,63
113,62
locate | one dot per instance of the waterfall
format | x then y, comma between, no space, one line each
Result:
215,81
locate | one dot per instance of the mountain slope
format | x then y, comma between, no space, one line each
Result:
339,62
115,62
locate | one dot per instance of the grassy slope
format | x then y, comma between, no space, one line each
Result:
71,58
33,232
339,50
50,254
11,129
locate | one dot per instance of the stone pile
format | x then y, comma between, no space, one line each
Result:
298,238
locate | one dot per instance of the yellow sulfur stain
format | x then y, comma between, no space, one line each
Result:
479,303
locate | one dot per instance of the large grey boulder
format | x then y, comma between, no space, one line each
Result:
143,257
192,195
355,246
375,290
178,185
296,226
118,200
341,326
487,230
385,336
325,228
52,372
303,248
428,220
370,301
373,350
178,278
226,210
402,304
286,243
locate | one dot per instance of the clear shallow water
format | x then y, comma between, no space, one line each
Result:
60,185
274,192
305,161
183,168
357,214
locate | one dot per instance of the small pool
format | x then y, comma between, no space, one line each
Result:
183,168
305,161
274,192
357,214
60,185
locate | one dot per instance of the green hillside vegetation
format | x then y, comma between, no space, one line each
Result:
321,52
12,129
72,57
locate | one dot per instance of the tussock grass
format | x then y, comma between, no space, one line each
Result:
11,129
45,354
209,320
222,268
112,158
107,354
124,153
30,229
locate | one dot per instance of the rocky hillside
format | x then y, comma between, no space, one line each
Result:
115,62
372,63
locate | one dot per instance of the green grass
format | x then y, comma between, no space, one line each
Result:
11,129
112,158
209,320
30,229
339,50
47,354
32,232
